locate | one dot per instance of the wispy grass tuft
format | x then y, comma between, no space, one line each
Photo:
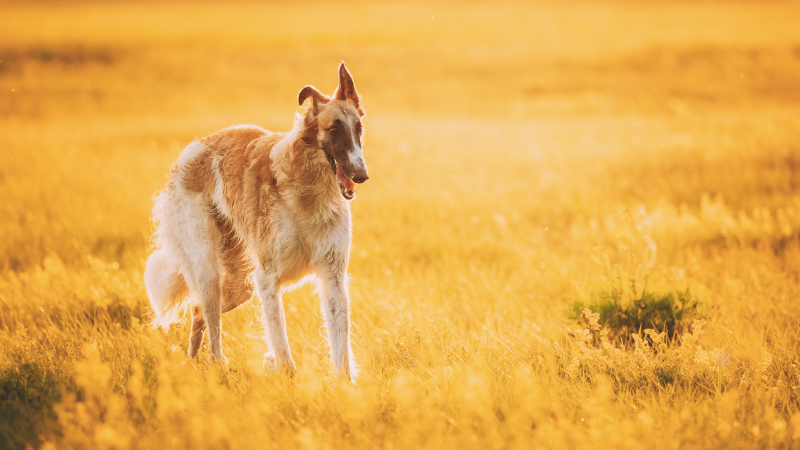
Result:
670,313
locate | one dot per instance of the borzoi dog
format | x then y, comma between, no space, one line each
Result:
248,201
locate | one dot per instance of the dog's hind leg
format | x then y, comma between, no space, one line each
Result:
235,289
230,300
198,327
198,250
205,282
234,292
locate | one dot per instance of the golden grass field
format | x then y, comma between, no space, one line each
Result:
527,160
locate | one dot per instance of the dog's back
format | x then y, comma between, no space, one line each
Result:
205,185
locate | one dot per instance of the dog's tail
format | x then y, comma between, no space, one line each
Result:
166,287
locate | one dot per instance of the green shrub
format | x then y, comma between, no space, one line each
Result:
671,312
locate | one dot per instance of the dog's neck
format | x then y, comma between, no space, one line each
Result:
306,170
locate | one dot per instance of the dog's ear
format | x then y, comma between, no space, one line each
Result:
316,96
347,88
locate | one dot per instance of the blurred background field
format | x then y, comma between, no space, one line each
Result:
527,161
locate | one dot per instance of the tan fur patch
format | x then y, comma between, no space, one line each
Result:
197,176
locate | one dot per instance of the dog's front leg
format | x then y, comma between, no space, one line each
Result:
274,320
336,310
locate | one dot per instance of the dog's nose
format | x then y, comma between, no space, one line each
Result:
360,178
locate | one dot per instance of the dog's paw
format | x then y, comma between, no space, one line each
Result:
270,365
346,378
219,359
353,374
290,369
348,375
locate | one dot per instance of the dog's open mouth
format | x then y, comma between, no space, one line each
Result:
346,185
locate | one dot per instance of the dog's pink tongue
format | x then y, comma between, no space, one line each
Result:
346,182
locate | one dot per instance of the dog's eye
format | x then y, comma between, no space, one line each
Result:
333,130
358,128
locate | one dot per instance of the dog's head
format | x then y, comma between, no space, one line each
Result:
340,132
